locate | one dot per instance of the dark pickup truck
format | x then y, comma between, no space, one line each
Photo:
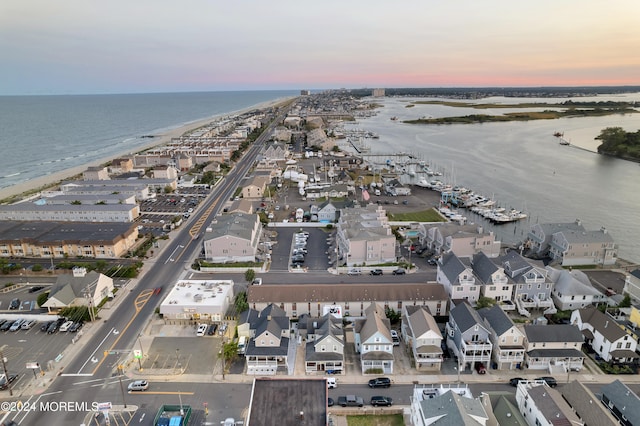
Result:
350,401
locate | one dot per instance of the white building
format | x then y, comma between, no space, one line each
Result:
198,300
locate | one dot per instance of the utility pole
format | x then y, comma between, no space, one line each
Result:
120,372
4,369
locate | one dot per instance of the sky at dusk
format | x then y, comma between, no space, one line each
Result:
128,46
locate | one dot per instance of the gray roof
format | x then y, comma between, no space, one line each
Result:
602,323
550,403
451,409
624,400
505,408
421,320
578,237
586,405
555,353
497,318
67,287
239,225
483,267
635,273
553,333
452,267
568,283
466,317
67,232
32,207
375,321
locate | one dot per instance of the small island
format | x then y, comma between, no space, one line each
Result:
616,142
561,110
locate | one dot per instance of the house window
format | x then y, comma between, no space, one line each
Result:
492,288
472,288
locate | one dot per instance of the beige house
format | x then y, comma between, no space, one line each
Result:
165,172
121,165
60,240
96,173
242,206
233,238
463,240
553,346
79,289
506,338
348,301
256,188
364,236
423,337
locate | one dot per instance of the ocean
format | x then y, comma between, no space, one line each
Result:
41,135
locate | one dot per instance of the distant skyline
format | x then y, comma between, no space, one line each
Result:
140,46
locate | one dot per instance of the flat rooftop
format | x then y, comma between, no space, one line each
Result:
200,292
283,402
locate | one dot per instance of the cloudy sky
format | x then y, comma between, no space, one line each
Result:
122,46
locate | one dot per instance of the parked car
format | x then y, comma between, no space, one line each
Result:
380,382
14,304
4,383
202,330
332,383
138,385
376,272
381,401
298,258
76,326
480,368
550,381
354,271
514,381
17,324
6,326
66,326
395,338
53,327
399,271
212,329
350,401
28,324
35,288
330,402
45,326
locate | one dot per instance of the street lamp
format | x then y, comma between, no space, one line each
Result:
4,368
141,352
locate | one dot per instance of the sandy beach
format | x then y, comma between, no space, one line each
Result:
52,180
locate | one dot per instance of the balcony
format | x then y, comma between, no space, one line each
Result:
511,355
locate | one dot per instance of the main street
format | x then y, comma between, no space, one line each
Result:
96,368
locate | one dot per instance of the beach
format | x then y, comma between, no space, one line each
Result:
53,179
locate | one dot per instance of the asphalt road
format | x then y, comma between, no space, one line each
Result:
91,377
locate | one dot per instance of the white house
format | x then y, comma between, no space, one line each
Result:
422,335
457,277
573,290
81,288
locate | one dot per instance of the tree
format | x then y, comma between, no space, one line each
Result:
485,302
42,298
393,315
241,303
625,302
249,275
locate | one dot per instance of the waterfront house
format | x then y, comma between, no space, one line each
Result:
632,285
121,165
601,332
62,240
539,236
573,290
506,338
232,238
372,339
492,280
422,336
457,277
267,352
96,173
553,345
463,240
468,337
532,287
571,248
623,403
325,344
80,288
350,301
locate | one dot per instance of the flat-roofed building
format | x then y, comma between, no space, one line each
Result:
277,402
60,240
200,300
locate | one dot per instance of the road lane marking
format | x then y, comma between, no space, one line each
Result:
87,381
96,349
163,393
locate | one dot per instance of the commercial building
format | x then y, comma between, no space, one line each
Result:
198,300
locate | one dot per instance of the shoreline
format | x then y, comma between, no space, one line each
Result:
54,179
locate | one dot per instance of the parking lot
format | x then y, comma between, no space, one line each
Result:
317,246
157,213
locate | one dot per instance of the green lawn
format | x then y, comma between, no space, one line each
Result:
378,420
430,215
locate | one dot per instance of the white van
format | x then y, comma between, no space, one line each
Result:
332,383
242,345
66,325
202,330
